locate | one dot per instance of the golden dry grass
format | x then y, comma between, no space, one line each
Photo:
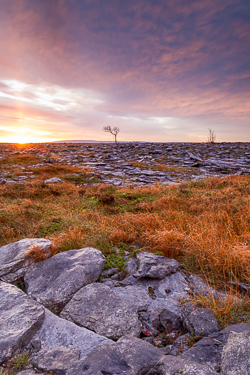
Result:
175,169
204,224
230,309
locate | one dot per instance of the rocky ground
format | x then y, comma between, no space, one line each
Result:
69,315
127,163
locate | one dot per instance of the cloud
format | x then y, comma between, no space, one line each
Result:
79,62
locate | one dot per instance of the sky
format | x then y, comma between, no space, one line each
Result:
160,70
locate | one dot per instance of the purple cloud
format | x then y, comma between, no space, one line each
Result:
188,61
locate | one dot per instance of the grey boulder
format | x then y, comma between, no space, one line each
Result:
54,281
236,354
200,322
209,349
128,356
15,259
154,266
99,309
169,320
57,360
20,318
152,296
174,365
56,332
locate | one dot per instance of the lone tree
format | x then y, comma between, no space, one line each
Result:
113,131
211,136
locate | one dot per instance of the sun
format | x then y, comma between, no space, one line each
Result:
21,139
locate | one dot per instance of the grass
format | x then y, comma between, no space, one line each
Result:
229,310
15,364
23,160
204,224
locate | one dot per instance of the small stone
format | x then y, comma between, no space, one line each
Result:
53,180
169,320
15,259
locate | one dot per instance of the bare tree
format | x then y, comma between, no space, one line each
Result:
211,136
113,131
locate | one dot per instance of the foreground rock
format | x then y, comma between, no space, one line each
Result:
132,356
209,349
57,360
152,296
15,259
236,354
199,321
20,318
99,309
155,266
172,366
56,332
146,302
54,281
128,356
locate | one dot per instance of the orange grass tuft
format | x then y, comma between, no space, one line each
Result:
37,254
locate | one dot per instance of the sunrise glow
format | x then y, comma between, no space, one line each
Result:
161,71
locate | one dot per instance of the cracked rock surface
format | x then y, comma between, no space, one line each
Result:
55,280
135,163
20,318
141,309
99,309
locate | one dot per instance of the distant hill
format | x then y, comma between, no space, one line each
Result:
91,141
83,141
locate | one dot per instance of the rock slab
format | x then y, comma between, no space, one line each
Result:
57,360
20,318
236,354
99,309
56,332
15,260
129,356
154,266
54,281
201,322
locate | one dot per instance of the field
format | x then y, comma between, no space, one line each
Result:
203,224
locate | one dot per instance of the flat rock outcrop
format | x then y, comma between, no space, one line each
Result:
134,163
99,309
55,280
20,318
140,310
